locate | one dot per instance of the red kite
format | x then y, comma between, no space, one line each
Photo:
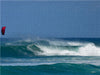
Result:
3,30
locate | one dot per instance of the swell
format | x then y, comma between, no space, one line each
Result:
53,69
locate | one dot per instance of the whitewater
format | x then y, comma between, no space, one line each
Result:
70,56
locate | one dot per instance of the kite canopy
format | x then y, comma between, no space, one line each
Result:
3,30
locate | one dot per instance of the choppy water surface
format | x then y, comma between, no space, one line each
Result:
72,56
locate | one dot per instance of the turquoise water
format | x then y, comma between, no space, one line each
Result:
71,56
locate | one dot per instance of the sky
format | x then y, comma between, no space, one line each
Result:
51,18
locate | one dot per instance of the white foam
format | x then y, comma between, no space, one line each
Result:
33,63
47,51
87,50
24,64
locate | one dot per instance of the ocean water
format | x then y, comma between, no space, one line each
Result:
53,56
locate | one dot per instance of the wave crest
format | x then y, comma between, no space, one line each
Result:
49,48
87,50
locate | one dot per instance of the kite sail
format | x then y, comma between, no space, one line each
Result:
3,30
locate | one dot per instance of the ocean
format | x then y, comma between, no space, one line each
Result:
50,56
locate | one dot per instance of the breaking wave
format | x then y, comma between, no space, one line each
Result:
49,48
87,50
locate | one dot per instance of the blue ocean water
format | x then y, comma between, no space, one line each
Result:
56,56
